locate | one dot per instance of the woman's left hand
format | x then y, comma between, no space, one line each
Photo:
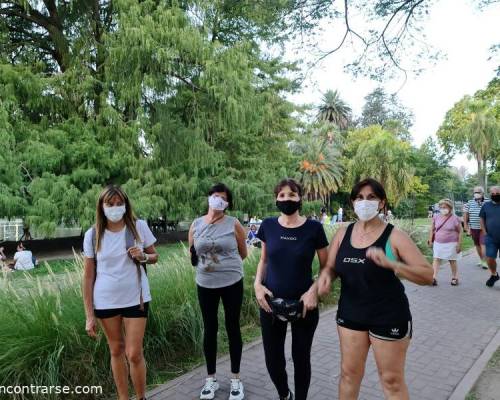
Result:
377,255
310,300
136,253
459,248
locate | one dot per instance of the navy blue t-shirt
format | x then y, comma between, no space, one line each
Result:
290,253
490,212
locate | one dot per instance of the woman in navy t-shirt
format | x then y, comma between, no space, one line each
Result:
289,243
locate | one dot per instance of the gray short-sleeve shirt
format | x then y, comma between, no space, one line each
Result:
219,261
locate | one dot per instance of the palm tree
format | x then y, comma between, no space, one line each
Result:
386,159
334,110
482,134
319,168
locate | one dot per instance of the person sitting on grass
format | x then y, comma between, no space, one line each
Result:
23,258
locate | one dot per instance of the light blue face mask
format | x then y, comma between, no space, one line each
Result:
115,213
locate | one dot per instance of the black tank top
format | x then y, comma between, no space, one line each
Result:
369,294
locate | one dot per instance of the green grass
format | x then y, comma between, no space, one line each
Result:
42,324
62,266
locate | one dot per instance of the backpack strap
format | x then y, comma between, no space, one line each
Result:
130,241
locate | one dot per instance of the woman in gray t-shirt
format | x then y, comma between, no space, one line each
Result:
219,243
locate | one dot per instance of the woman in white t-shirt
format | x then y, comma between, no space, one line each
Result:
116,289
23,258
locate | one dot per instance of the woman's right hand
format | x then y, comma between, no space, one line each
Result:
324,284
260,293
429,243
91,327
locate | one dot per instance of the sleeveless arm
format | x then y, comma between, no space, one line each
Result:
413,265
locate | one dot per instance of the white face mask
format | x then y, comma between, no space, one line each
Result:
366,209
478,196
444,211
217,203
114,214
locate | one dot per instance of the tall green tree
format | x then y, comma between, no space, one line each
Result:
386,110
142,94
473,126
334,110
319,163
364,150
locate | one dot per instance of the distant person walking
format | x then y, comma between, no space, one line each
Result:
340,215
472,224
490,226
445,237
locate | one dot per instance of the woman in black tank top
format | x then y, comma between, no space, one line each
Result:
369,256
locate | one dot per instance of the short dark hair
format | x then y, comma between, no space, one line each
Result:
221,188
376,186
291,183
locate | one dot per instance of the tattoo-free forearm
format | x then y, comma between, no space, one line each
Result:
419,274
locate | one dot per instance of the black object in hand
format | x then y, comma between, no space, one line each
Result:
194,256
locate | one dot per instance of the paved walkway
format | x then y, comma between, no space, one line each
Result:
452,327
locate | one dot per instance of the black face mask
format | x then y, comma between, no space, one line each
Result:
288,207
495,198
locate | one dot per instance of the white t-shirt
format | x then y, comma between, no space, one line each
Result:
116,284
24,260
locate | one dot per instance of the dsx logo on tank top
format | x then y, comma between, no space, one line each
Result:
353,260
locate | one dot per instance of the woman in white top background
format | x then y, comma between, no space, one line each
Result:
115,285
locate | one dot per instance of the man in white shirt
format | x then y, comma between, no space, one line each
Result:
23,259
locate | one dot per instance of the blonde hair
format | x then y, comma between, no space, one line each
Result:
446,202
100,225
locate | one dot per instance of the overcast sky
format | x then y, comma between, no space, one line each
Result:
456,27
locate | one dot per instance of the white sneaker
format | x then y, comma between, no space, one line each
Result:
209,389
236,391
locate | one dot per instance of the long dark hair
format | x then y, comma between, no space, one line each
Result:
100,219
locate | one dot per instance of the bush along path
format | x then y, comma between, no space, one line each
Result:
452,327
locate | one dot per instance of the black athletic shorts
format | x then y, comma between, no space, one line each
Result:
127,312
383,332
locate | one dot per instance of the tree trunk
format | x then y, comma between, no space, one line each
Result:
481,173
485,169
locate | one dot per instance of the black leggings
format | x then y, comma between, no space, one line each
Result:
232,298
273,337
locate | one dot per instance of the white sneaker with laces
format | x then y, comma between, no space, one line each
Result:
236,391
209,389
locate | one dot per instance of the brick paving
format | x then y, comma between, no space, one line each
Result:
452,327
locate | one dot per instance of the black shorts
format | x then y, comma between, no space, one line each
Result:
127,312
384,332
